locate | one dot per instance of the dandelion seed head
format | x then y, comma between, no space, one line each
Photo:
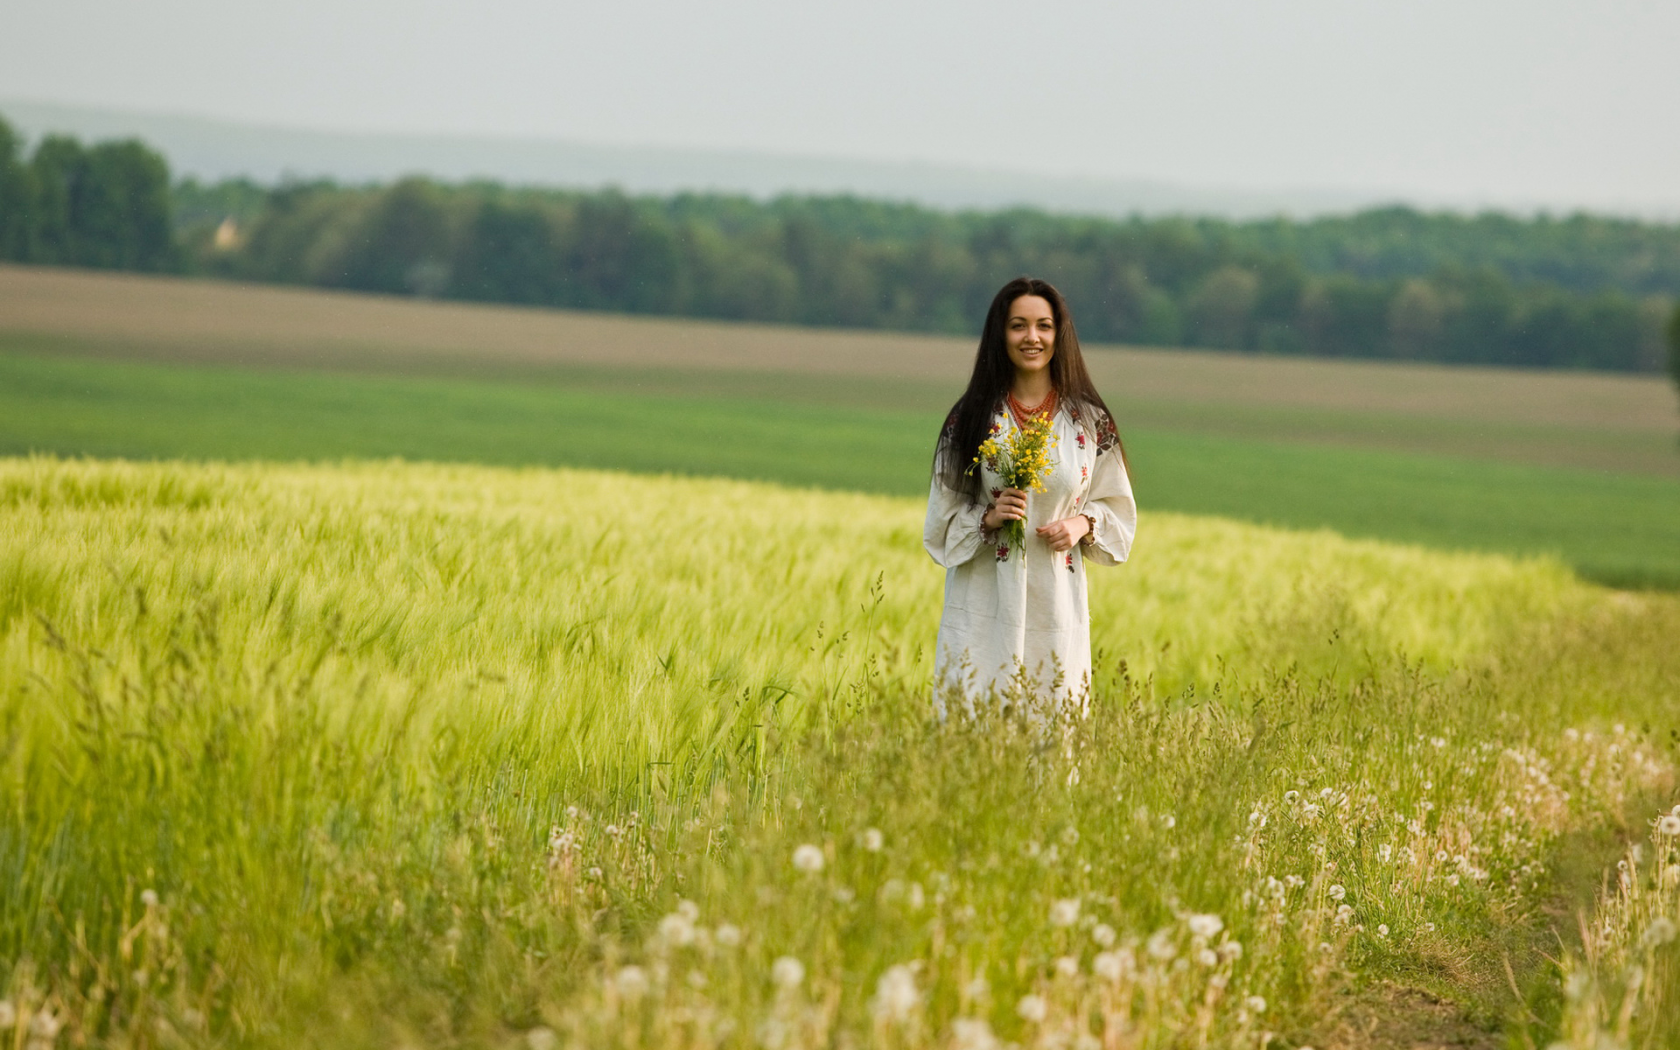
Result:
1382,929
676,930
149,898
896,997
1067,966
1103,934
1032,1009
1669,825
631,982
972,1033
1112,966
808,859
44,1027
1660,931
1207,957
787,972
1161,944
1064,912
1256,1003
873,840
1205,926
1337,891
541,1039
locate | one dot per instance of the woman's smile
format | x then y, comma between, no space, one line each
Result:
1030,334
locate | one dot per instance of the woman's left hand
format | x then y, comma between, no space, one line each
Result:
1062,535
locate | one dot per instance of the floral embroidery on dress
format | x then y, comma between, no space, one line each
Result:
1070,561
995,494
1107,436
1080,438
1003,552
1084,472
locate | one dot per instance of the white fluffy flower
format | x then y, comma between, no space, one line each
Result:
1257,1003
1033,1008
1067,966
1337,892
808,858
1161,944
149,898
1064,912
873,840
676,930
1110,966
1669,825
631,982
541,1039
1103,934
1382,929
896,997
1205,926
727,935
787,971
972,1033
1661,931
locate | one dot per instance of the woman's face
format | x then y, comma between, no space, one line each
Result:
1030,334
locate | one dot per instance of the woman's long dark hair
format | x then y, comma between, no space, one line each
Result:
970,420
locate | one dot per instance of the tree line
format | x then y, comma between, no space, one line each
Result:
1580,291
108,205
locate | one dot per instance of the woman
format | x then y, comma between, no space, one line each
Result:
1016,628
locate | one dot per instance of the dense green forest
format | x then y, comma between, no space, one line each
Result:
1579,291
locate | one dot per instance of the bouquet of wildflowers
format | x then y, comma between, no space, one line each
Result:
1021,460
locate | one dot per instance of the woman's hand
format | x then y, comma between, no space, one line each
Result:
1011,505
1062,535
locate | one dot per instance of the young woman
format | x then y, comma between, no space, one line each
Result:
1016,628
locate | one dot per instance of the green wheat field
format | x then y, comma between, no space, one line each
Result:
306,744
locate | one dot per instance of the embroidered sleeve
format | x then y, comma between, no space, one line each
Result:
1108,437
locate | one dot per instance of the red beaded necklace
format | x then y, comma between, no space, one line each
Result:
1022,413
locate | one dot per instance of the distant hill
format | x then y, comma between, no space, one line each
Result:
214,149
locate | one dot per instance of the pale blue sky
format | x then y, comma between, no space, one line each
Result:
1520,102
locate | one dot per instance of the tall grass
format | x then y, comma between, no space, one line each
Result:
389,755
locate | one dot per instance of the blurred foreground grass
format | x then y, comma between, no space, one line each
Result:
836,433
380,755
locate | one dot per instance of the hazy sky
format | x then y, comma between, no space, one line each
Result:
1519,102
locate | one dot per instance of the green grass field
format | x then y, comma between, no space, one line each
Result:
378,755
1616,528
365,686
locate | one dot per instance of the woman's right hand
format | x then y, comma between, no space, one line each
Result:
1011,505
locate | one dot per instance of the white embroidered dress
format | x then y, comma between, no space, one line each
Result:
1010,613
